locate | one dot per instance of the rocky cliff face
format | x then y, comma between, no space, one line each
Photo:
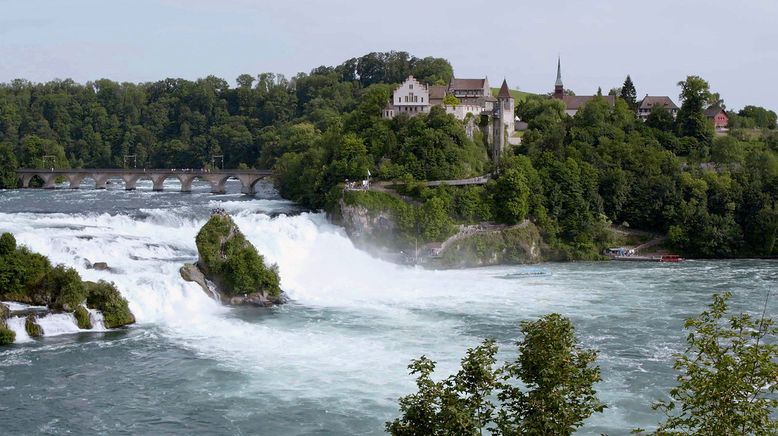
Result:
374,230
368,229
229,268
510,245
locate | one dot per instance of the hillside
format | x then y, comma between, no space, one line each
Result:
517,95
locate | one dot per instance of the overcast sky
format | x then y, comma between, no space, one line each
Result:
734,45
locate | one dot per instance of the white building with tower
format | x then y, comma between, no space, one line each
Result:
473,97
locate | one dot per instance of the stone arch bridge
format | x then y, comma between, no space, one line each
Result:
130,177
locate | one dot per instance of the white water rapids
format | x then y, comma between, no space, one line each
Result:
340,349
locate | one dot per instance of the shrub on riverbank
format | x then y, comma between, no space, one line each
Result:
231,261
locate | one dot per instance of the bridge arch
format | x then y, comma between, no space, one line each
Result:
47,178
36,180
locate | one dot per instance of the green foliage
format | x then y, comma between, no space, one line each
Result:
30,278
451,100
34,330
603,165
727,376
754,117
7,336
7,244
82,318
429,221
511,196
230,260
548,389
695,94
628,93
660,118
459,405
559,378
104,297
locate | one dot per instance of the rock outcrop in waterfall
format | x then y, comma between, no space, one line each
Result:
229,268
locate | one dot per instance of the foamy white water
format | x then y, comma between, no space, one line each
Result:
334,360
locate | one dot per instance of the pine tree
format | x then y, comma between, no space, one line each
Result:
628,93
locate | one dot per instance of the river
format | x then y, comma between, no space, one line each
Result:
333,361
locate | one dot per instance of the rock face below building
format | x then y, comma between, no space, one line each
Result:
229,269
374,228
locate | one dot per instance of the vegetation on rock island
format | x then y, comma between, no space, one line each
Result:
726,383
228,259
29,278
7,336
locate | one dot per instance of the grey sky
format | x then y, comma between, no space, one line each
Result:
734,45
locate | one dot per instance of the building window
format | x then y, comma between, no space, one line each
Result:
410,86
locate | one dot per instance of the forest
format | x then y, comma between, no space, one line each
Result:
714,195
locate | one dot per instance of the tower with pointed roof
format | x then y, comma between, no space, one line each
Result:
559,88
503,121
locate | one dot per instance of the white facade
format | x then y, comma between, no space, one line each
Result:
411,97
460,111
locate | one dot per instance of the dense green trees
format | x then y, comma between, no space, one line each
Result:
547,389
176,123
715,197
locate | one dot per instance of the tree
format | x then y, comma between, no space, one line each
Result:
451,100
762,118
695,93
7,244
511,195
628,93
727,376
456,406
660,118
559,377
548,389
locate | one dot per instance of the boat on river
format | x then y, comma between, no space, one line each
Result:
667,258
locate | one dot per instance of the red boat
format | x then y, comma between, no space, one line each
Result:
671,258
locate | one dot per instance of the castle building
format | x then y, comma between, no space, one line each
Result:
573,103
411,97
474,96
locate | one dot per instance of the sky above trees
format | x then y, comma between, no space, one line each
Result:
730,44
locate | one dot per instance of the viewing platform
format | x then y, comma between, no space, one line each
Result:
130,177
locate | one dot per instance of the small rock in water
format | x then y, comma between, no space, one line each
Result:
101,266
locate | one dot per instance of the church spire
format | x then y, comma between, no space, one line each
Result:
559,89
